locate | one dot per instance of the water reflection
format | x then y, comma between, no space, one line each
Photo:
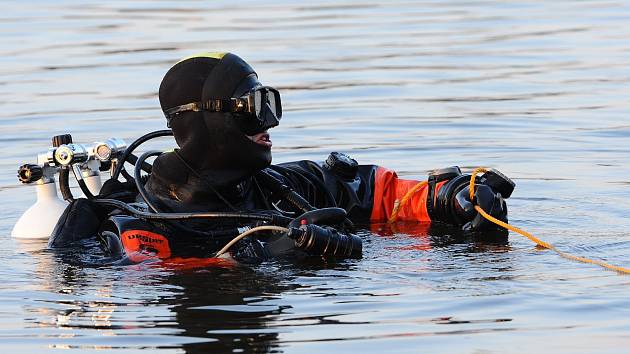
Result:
191,308
242,309
231,307
428,236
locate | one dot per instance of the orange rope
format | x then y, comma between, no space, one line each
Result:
405,199
532,237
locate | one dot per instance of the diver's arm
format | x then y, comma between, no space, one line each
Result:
372,193
444,197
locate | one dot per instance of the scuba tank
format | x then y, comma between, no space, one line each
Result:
85,162
38,221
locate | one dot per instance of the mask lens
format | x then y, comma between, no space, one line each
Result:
266,112
266,98
258,102
272,100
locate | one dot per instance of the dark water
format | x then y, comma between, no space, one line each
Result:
537,89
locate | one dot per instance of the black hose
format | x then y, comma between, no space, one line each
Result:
220,234
123,158
311,178
330,216
272,218
85,189
127,176
143,192
151,203
288,194
295,199
64,186
146,167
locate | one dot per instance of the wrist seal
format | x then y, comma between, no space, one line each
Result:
435,177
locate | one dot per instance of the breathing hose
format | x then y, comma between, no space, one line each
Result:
84,188
64,185
186,216
284,191
123,158
137,177
311,239
151,203
247,233
292,197
145,166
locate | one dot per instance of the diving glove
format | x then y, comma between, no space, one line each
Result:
453,204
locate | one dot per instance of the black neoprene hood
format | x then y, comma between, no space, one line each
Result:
213,141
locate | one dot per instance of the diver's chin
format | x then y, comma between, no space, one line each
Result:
262,139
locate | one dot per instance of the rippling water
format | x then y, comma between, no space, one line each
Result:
537,89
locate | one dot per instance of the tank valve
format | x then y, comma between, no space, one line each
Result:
30,173
63,139
70,154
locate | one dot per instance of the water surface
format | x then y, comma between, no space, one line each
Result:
536,89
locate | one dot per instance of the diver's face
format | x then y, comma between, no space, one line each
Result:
262,139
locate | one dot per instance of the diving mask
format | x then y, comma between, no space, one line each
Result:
255,112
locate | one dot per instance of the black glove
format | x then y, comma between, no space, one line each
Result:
453,204
488,199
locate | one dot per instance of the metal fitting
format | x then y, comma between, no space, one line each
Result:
70,153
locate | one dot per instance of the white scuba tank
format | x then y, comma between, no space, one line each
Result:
40,219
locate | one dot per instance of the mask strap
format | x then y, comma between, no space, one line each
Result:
235,105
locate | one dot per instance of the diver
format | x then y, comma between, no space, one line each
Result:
220,115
